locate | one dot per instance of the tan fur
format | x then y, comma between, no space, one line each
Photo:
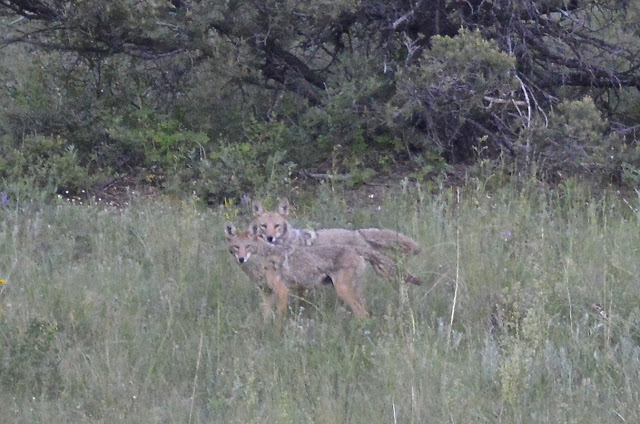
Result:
274,227
243,246
299,267
314,267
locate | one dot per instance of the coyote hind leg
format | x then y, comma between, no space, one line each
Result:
348,285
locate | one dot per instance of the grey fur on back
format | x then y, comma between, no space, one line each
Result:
308,266
377,238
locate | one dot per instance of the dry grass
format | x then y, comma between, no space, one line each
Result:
140,316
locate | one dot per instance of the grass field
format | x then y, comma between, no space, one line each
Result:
140,315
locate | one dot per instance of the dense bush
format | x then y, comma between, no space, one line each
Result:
575,142
460,93
40,162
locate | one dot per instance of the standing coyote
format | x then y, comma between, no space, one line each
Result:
274,227
279,269
302,267
241,245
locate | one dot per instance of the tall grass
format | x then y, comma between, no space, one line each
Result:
140,315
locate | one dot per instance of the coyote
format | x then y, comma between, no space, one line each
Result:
302,267
274,227
241,245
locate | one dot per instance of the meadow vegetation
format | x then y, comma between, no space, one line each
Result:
529,313
502,130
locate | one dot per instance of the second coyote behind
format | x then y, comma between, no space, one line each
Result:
274,227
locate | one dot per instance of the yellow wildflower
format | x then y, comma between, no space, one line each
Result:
3,281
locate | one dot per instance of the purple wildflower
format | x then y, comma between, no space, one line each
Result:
4,197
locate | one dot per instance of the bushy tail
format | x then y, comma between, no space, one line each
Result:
389,240
385,267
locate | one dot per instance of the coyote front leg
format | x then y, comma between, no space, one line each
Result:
277,293
268,300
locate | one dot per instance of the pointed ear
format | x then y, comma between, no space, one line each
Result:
229,229
283,208
258,210
253,229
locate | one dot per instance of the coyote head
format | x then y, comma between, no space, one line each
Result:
240,242
272,226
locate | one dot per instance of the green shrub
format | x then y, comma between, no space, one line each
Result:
42,163
574,142
256,163
451,98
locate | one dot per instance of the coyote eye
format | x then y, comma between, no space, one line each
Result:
263,226
248,247
276,226
236,248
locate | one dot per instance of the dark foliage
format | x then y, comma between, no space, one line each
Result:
181,94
